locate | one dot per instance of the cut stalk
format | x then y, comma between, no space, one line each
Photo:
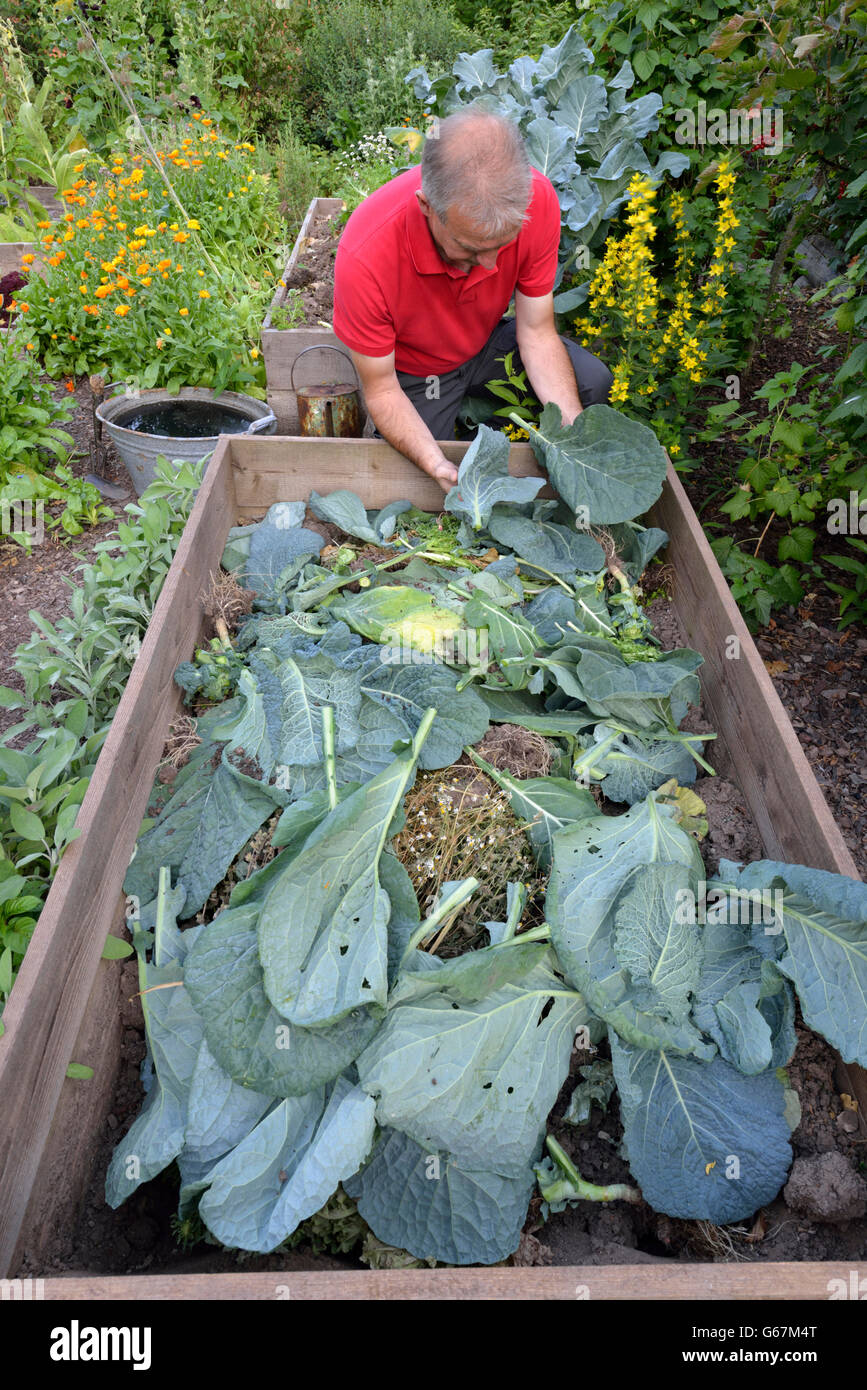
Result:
328,751
446,909
573,1187
516,912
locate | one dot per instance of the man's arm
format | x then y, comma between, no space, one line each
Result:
548,364
397,419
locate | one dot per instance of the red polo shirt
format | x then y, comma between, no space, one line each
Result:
393,292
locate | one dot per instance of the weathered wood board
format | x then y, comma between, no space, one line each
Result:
65,998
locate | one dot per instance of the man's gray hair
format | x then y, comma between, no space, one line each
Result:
477,162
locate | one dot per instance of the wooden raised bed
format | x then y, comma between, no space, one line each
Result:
65,1003
281,346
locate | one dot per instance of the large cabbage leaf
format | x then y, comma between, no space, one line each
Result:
323,937
432,1206
476,1077
255,1046
703,1141
821,933
287,1167
484,479
606,466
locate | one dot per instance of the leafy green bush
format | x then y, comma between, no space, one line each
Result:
30,436
74,673
347,79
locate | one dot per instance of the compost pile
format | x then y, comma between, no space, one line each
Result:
323,1008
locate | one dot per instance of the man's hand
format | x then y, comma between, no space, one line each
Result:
398,421
445,473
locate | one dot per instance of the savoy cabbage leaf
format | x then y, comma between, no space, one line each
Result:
703,1141
432,1206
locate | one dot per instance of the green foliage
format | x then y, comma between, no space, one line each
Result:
795,464
74,674
346,78
29,436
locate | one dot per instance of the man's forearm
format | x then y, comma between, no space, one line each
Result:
399,422
549,370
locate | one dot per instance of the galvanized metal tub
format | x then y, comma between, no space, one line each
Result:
139,451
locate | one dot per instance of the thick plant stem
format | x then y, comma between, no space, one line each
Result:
516,912
446,909
574,1188
328,752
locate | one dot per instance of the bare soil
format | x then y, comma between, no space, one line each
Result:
313,274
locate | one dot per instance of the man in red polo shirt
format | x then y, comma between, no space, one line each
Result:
425,271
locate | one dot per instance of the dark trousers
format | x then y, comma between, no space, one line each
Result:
438,399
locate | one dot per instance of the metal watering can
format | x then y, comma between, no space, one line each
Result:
330,411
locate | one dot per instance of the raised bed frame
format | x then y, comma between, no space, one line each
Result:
281,346
65,1003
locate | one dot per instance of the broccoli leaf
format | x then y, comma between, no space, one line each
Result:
429,1204
606,466
704,1142
484,479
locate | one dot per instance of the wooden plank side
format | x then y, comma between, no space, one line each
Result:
672,1281
57,974
280,348
793,817
278,468
48,1002
771,768
79,1120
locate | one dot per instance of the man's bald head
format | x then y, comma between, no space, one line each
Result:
477,165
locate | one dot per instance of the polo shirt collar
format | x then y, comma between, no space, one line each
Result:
425,256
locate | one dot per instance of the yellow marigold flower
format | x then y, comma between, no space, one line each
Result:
146,279
183,312
203,294
121,310
194,225
254,353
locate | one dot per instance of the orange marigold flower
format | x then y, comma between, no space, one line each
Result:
28,259
103,291
183,313
164,264
43,223
70,385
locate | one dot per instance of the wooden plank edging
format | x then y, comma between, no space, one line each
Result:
45,1010
675,1280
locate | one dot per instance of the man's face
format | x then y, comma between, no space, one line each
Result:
462,243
